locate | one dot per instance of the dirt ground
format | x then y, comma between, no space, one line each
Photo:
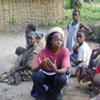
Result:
8,43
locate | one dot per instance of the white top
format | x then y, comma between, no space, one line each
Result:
72,33
84,53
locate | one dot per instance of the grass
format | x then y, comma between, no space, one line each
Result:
90,15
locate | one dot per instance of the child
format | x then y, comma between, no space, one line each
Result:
95,95
84,51
21,69
74,26
84,54
74,55
87,73
52,61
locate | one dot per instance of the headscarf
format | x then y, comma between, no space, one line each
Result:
37,35
55,29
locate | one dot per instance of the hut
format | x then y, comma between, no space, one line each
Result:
16,13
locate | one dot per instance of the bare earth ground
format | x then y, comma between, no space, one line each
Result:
8,43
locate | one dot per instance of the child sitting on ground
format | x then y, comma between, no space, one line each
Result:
95,94
84,52
86,73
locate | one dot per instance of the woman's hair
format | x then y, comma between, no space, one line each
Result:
76,11
32,27
49,39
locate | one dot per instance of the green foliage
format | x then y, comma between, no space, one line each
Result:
95,36
67,4
76,4
97,1
12,20
86,0
90,16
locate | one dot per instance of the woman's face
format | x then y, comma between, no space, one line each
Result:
57,41
31,40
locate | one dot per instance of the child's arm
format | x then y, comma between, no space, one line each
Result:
97,53
68,27
85,27
94,54
74,60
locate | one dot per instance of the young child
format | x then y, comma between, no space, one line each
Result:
84,54
21,69
95,94
51,64
84,51
74,55
74,26
87,73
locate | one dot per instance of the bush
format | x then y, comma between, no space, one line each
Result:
76,4
95,35
67,4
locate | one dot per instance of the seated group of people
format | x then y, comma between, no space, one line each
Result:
49,66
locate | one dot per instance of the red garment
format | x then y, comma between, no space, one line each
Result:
62,57
98,69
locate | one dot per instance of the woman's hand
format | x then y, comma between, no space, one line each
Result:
51,65
42,64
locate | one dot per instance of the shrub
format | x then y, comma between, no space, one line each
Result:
95,35
76,4
67,4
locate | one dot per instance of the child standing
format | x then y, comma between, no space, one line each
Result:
52,61
74,26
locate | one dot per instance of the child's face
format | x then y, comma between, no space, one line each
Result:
80,38
31,40
57,41
75,50
76,16
27,30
